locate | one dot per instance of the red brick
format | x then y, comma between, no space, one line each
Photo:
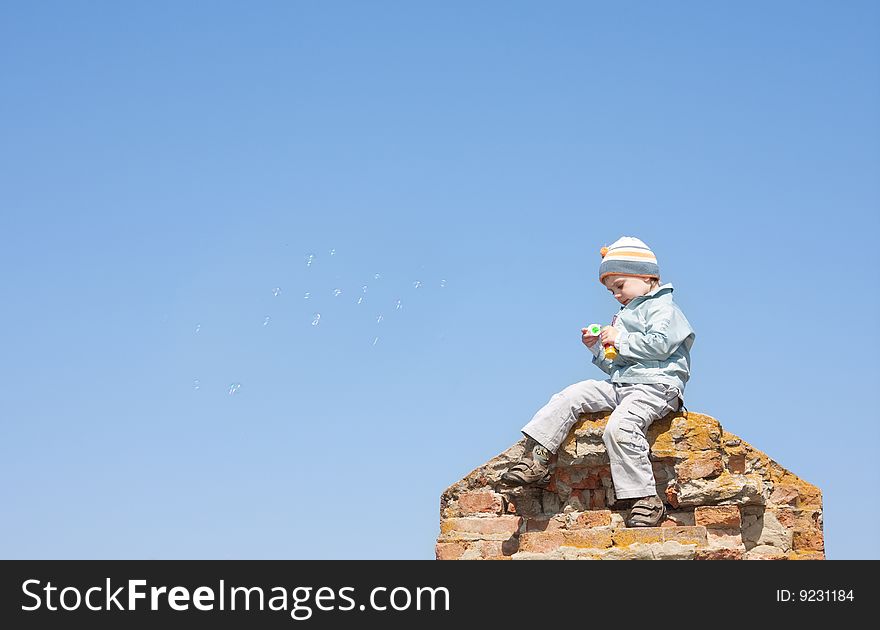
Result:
700,468
784,494
718,516
719,554
591,538
474,525
765,552
541,542
544,524
672,495
737,464
794,518
678,519
806,555
808,540
686,535
479,502
593,518
809,496
719,537
449,550
580,477
625,536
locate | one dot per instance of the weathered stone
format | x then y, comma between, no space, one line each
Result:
723,516
597,499
556,554
475,549
808,494
719,554
629,535
728,501
678,519
784,494
550,503
765,552
541,542
575,503
765,529
808,540
449,550
705,465
694,535
635,551
726,488
576,553
506,524
593,518
525,501
737,464
806,555
580,477
595,538
479,502
547,524
725,539
673,550
791,517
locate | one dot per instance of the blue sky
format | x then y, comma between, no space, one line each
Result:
165,166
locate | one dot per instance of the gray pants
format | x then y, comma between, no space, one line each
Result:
635,407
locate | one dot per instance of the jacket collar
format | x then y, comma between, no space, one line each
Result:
663,289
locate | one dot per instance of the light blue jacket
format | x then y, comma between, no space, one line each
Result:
654,343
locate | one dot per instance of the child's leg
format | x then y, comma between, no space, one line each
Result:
551,424
625,436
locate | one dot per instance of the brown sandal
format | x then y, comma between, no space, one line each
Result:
527,471
646,512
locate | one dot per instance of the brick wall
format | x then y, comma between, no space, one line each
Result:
725,501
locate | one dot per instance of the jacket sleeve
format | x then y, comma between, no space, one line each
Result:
667,329
599,359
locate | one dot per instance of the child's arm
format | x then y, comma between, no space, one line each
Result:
667,329
592,342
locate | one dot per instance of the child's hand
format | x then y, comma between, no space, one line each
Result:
608,335
588,339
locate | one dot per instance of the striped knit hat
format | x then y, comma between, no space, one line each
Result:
628,256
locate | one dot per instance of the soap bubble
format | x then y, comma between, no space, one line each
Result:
317,319
360,299
234,387
332,251
379,319
198,327
375,340
266,321
337,292
276,291
309,260
307,295
196,384
398,305
417,284
442,283
376,277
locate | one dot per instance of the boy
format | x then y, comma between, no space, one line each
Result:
653,341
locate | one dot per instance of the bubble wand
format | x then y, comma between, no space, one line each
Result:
610,350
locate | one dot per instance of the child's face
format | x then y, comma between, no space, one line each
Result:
625,288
